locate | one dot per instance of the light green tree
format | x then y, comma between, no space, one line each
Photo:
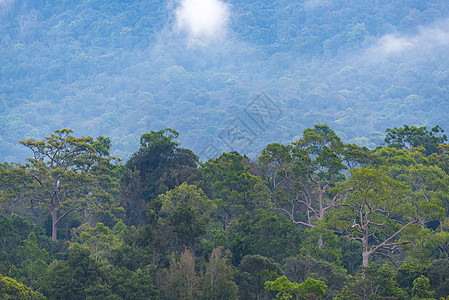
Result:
302,176
191,196
309,289
100,239
421,288
380,211
11,289
62,175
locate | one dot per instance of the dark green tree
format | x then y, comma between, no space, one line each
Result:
412,136
322,244
79,277
184,227
126,284
229,183
299,268
34,262
158,166
351,254
254,271
408,272
139,249
372,282
13,231
265,233
439,277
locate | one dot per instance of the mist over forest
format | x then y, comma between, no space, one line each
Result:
120,69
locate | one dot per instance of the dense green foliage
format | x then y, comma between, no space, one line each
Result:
316,219
357,209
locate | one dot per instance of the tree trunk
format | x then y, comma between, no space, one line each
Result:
366,253
365,256
54,223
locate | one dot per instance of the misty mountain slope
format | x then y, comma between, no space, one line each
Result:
121,69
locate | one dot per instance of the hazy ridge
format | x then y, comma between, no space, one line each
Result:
122,69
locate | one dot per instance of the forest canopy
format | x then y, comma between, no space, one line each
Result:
317,218
224,149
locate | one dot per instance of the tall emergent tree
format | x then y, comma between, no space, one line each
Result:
62,174
382,213
303,174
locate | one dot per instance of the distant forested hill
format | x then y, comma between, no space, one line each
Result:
120,69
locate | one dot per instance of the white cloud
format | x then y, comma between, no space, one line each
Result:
426,39
392,44
203,19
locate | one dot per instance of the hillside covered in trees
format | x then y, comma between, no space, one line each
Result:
224,149
313,219
123,68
